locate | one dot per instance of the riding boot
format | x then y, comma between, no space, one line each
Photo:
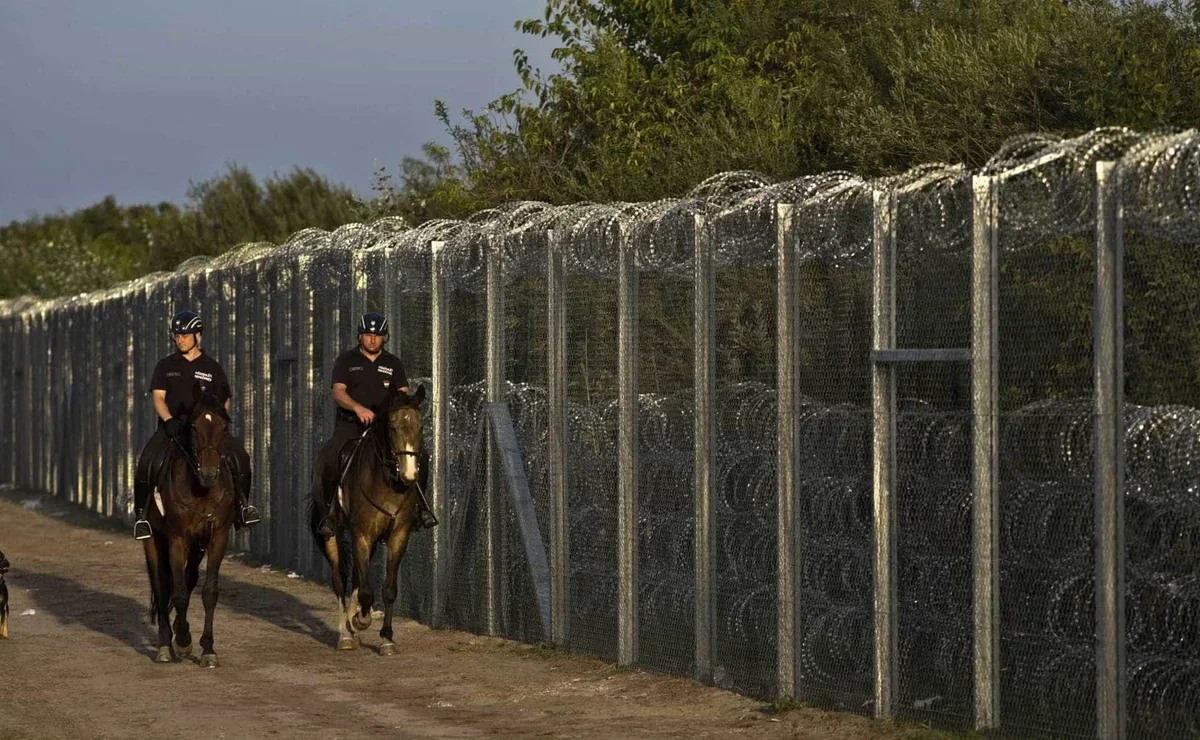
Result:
425,517
247,515
141,526
328,526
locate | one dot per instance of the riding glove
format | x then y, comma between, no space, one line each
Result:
172,427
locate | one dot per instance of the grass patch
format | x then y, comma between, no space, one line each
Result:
784,704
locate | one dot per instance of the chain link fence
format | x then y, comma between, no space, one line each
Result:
924,447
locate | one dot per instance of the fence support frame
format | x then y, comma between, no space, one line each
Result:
985,311
556,341
883,383
440,378
704,301
787,310
495,394
627,469
1109,343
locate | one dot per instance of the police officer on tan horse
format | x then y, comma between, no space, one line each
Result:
363,380
172,386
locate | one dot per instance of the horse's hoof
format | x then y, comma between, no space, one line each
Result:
182,651
163,655
347,643
360,622
208,660
388,648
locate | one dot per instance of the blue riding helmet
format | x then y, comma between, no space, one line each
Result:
373,322
186,322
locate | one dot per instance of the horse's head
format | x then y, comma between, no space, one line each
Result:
209,424
404,433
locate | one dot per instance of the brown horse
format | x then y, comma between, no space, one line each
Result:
191,514
378,503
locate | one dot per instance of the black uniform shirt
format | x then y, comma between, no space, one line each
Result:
368,383
178,377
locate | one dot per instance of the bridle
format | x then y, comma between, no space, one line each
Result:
192,457
390,460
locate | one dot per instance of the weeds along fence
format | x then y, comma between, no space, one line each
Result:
924,447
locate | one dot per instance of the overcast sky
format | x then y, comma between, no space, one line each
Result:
137,97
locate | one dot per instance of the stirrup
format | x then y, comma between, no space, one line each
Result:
141,530
426,519
325,527
250,515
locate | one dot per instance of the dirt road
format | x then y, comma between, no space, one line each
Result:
80,666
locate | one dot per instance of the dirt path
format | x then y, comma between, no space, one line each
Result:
81,665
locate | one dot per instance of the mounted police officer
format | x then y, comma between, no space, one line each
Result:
172,386
363,379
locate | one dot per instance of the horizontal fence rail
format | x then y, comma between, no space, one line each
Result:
920,447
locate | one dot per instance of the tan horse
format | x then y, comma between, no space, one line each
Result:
378,500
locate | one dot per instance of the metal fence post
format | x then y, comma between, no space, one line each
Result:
304,421
557,441
985,273
260,355
883,382
788,547
1110,457
704,389
495,394
627,465
440,378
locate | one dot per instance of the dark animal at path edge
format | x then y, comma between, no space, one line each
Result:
3,598
378,500
191,516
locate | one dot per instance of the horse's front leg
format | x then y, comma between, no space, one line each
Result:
216,552
397,543
158,568
363,594
180,595
346,639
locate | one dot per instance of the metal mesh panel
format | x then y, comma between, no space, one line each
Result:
1047,622
666,570
745,653
1162,477
834,597
933,448
592,353
466,519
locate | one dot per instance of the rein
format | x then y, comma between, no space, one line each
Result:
391,468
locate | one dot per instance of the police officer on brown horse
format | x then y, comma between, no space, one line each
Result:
363,379
175,378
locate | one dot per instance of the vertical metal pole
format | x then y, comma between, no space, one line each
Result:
883,382
440,377
627,462
390,282
260,352
358,281
1110,458
704,389
495,394
304,418
985,272
556,341
131,406
788,553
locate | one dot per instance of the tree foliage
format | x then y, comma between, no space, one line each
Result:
94,247
655,95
